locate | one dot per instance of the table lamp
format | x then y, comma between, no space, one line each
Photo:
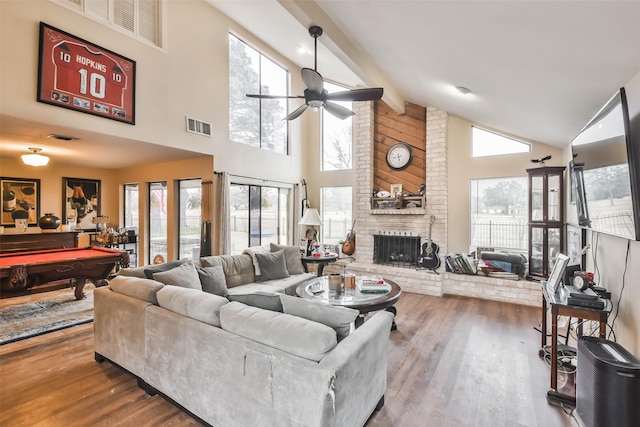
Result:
311,218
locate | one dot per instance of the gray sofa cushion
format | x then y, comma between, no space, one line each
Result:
212,280
136,287
184,276
261,299
238,269
291,334
132,272
338,318
291,257
150,269
192,303
272,265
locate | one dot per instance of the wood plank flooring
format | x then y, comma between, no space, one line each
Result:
452,362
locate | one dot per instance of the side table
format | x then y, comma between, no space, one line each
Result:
559,307
320,260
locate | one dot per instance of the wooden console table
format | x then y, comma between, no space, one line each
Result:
24,242
559,307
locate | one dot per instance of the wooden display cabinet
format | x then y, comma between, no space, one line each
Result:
546,218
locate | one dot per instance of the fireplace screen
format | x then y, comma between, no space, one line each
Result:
397,250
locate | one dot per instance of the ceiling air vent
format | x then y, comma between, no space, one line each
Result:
198,126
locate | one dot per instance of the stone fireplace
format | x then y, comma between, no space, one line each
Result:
413,223
370,223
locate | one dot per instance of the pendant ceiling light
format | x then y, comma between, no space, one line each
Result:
35,159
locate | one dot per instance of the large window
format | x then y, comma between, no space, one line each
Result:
335,208
258,216
157,222
190,218
139,18
487,143
131,214
499,213
336,136
252,121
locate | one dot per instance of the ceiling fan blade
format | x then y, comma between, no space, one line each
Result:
296,113
312,79
249,95
366,94
338,110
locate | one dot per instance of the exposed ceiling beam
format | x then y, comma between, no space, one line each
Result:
309,13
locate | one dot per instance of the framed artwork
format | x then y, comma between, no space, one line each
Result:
576,237
81,202
76,74
20,200
395,188
557,273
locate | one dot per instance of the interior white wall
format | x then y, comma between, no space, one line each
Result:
463,167
189,77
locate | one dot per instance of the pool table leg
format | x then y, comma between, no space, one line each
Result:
81,281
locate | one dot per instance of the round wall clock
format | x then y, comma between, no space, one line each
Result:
399,156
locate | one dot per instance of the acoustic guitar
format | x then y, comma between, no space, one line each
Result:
429,256
349,246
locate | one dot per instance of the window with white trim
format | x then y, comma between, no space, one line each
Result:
336,213
141,19
487,143
254,121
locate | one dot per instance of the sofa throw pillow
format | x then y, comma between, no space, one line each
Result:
149,270
272,265
262,299
184,276
252,251
212,280
291,334
338,318
192,303
291,257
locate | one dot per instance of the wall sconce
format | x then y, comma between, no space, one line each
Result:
35,159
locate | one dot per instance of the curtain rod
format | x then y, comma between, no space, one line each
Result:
257,179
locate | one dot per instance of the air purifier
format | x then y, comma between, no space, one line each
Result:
607,384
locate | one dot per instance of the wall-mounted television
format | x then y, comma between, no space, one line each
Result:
605,169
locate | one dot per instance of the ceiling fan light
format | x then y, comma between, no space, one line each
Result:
316,104
35,159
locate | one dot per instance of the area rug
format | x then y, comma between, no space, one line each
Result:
21,321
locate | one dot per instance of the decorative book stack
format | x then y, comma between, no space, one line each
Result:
373,285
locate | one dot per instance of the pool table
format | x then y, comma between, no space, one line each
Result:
24,270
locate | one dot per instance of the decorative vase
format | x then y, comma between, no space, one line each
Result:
49,222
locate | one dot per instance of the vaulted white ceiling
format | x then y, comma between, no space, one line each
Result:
537,69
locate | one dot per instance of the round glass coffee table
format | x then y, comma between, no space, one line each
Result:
364,302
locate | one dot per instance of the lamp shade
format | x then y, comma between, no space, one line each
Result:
35,159
311,217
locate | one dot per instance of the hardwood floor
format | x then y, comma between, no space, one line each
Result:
452,362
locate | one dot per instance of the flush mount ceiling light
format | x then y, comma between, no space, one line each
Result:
35,159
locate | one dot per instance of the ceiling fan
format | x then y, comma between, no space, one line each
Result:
315,96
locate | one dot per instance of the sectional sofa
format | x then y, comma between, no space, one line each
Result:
254,356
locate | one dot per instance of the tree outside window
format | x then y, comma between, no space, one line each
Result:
256,122
337,136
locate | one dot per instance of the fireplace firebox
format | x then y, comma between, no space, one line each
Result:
396,249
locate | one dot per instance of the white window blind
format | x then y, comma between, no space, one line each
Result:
139,18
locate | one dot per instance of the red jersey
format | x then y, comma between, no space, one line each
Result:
94,75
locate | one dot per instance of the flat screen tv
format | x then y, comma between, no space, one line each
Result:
605,170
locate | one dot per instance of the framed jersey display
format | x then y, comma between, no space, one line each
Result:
81,76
